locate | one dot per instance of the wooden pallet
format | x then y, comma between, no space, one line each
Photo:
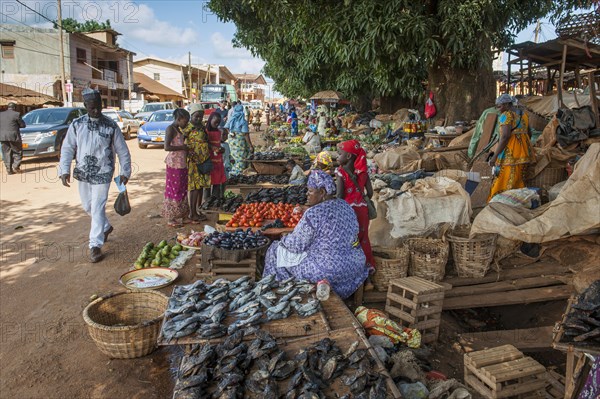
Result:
504,372
520,279
527,339
417,303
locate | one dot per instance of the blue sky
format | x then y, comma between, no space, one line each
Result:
166,29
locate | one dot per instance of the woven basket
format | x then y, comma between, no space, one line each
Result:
392,263
269,168
126,325
472,256
548,178
428,258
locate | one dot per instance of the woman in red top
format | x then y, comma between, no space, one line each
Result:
352,172
217,175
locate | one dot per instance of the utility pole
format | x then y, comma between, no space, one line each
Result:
537,31
62,56
190,73
129,78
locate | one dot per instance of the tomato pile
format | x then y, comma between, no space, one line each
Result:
254,214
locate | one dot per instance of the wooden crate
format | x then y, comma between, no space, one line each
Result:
504,372
210,270
417,303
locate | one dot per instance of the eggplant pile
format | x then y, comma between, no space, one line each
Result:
226,204
288,195
256,179
582,324
267,156
240,239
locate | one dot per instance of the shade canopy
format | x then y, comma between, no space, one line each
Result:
26,97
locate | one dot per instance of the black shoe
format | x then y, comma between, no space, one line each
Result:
96,255
107,232
10,172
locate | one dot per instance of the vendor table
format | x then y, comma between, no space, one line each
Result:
273,234
443,139
246,189
334,315
330,142
343,339
573,350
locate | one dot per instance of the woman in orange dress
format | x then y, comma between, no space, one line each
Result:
514,151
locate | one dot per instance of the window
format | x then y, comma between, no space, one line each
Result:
81,56
157,76
8,49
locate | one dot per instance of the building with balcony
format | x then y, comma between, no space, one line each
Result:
182,78
31,59
250,86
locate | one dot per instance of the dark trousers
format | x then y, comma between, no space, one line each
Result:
12,153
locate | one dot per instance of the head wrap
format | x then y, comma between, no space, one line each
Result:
319,179
504,99
195,107
324,158
237,122
91,95
354,148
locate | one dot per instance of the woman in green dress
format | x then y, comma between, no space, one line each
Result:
241,146
198,152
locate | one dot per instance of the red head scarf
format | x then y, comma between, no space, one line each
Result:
354,148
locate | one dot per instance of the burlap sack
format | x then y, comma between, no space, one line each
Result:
397,158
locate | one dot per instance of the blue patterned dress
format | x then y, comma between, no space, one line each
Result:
328,234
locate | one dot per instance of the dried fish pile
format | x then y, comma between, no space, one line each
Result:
201,308
261,369
582,324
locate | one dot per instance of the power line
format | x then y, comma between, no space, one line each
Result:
35,11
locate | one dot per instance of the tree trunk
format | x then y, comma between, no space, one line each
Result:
391,104
461,95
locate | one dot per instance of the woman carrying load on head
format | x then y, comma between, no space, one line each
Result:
324,243
513,152
241,146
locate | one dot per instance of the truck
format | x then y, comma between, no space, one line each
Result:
217,93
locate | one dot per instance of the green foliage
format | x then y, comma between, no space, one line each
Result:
376,47
71,25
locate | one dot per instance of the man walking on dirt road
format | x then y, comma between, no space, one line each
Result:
10,137
93,141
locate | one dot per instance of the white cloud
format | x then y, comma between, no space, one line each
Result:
246,63
224,48
146,27
249,65
134,20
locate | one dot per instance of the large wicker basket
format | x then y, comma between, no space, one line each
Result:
472,256
548,178
428,258
392,263
126,325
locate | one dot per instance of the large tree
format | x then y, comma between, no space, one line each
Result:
390,48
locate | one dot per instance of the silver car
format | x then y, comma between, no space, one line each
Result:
127,123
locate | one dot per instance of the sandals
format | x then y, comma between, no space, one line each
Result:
174,224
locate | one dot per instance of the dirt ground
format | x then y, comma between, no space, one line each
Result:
46,280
